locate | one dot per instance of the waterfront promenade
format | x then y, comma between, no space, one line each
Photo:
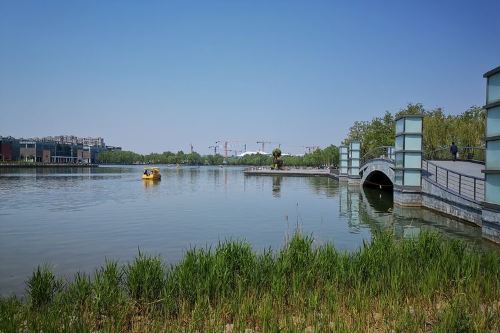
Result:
296,172
463,167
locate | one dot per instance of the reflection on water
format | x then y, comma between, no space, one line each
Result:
350,201
277,186
380,201
75,218
410,221
151,182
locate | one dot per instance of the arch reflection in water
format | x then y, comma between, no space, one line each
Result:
379,213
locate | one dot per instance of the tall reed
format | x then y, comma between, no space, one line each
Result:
429,283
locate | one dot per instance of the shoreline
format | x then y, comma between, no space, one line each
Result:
417,284
49,165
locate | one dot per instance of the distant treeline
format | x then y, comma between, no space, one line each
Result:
320,157
466,129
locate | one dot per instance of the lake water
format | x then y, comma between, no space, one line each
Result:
73,219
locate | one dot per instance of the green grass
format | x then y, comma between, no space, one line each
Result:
429,283
42,287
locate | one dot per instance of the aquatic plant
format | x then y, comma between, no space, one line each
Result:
107,289
145,278
428,283
42,286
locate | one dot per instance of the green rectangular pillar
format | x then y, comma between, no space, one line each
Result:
408,160
354,163
344,162
491,205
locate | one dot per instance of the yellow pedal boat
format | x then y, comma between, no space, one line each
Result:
151,174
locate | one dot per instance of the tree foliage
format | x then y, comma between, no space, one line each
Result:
128,157
466,129
319,157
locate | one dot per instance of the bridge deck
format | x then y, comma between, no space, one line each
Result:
463,167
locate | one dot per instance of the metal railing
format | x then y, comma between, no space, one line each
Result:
382,152
473,154
466,186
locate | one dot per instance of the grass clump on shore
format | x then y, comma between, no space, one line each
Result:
429,283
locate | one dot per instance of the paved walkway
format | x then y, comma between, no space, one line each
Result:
463,167
459,182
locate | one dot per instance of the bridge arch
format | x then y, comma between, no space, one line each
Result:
378,173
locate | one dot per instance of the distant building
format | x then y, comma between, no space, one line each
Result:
97,142
53,149
9,149
28,151
74,140
113,148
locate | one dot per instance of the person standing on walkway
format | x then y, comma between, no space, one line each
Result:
454,151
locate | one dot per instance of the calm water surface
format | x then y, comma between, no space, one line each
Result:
73,219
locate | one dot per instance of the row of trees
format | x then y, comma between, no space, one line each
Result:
129,157
320,157
466,129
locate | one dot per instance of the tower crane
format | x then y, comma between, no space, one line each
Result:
263,143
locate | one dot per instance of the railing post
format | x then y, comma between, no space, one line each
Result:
446,178
459,183
474,188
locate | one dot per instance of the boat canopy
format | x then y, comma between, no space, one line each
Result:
152,168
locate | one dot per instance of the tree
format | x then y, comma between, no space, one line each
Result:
439,130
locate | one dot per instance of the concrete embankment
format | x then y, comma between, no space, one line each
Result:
291,172
48,165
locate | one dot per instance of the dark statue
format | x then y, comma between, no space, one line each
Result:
277,161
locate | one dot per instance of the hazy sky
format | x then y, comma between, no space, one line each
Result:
156,76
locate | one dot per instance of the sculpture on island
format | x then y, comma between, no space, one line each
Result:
277,161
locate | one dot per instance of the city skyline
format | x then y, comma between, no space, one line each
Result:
161,76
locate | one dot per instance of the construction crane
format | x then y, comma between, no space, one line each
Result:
311,148
214,147
226,149
263,144
227,146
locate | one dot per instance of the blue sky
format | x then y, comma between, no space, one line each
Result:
159,75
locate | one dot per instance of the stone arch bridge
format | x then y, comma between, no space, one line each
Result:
452,188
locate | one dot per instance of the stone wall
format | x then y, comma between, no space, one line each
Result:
439,198
491,225
407,198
